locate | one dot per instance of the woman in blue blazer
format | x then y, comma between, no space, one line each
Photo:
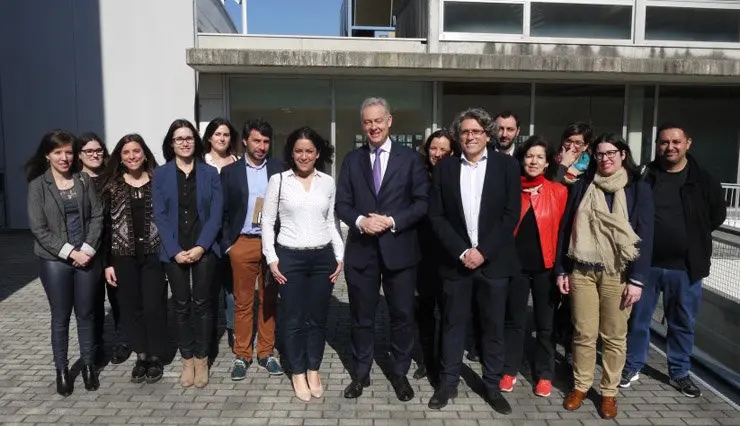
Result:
188,205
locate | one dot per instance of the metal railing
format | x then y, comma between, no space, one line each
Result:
718,323
732,198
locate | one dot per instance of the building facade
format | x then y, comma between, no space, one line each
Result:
624,66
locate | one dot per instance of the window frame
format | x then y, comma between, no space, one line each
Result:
639,15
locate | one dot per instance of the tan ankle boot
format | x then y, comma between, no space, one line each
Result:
201,372
188,372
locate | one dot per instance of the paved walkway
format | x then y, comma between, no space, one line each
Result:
27,390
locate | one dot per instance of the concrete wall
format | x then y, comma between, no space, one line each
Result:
112,67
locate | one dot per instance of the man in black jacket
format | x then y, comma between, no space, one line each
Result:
689,205
474,207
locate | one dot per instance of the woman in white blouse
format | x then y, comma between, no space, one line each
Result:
306,256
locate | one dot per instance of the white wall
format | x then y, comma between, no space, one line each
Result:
147,82
113,67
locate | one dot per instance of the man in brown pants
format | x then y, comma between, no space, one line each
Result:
244,185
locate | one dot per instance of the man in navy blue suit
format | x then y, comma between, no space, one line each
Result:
381,196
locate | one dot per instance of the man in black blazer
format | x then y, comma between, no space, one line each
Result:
381,196
244,184
474,208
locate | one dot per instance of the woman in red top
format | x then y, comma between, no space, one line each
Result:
543,204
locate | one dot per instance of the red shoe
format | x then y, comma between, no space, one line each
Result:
544,388
507,383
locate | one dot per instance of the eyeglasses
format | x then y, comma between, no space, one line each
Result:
91,152
472,132
578,143
183,140
608,154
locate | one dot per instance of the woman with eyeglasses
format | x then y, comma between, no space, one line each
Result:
133,265
93,160
573,160
604,254
188,207
66,219
222,146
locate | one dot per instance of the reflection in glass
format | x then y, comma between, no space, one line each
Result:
556,105
692,24
581,21
494,18
286,103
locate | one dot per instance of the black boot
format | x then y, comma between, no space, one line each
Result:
90,377
64,383
154,370
138,373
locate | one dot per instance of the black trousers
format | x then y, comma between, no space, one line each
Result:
193,304
428,288
143,292
363,288
544,298
70,288
457,296
304,304
115,309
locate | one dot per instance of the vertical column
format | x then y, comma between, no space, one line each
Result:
333,128
434,27
211,99
634,101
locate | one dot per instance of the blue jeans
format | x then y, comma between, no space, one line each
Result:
681,300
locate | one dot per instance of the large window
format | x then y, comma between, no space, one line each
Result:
493,97
565,20
710,117
556,105
496,18
411,107
692,24
286,103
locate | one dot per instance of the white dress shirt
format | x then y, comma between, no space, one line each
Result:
472,177
306,217
384,155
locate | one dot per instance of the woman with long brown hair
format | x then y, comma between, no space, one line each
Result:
133,265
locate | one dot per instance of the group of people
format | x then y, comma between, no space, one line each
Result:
464,232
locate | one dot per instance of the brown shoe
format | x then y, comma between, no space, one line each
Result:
574,400
608,407
188,372
201,372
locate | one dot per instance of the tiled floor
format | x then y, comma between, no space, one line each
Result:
27,392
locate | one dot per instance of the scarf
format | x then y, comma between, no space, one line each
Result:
529,183
600,237
577,168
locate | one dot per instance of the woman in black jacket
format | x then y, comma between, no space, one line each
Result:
133,264
66,219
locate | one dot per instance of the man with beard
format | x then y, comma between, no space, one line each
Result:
244,184
507,126
689,205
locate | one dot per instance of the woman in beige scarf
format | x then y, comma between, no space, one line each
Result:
603,256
